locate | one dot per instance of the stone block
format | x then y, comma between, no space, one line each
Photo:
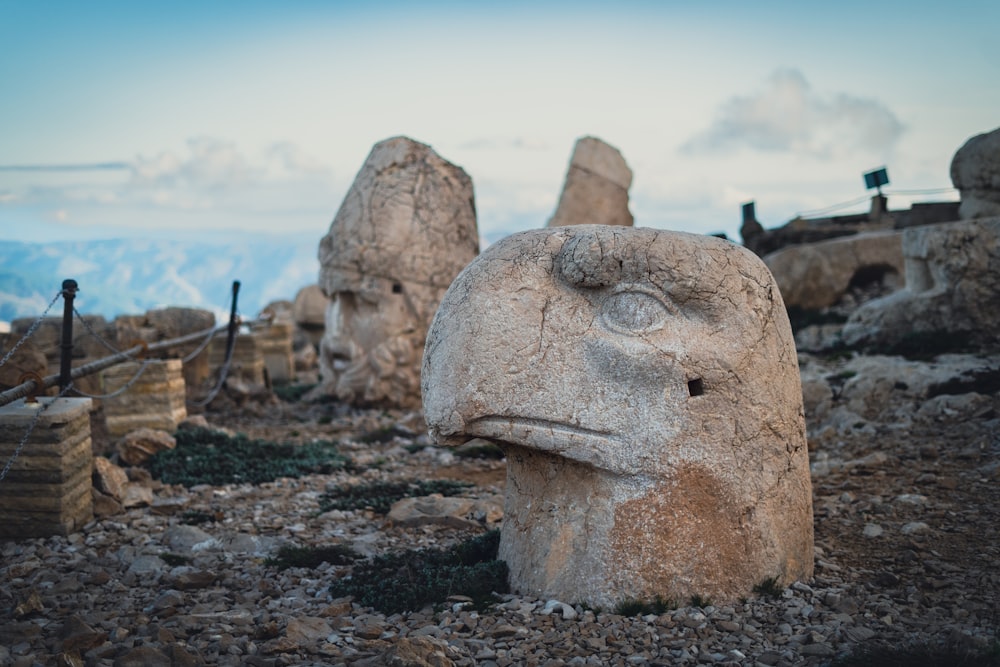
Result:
47,490
247,362
275,342
155,400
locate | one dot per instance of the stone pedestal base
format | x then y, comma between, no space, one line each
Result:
47,490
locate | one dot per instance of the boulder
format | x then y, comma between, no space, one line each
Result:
109,478
975,172
405,229
817,275
645,389
309,311
140,445
952,289
596,187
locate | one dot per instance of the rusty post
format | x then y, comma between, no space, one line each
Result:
69,288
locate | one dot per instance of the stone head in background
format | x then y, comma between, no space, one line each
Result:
975,172
405,229
596,188
645,388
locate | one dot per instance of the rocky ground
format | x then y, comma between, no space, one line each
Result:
906,479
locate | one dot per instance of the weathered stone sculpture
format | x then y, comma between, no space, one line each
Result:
405,229
596,187
645,389
975,171
952,289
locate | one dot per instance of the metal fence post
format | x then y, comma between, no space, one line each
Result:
69,288
233,324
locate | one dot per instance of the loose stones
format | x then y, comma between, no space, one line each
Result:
645,389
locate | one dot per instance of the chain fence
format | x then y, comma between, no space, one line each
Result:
34,385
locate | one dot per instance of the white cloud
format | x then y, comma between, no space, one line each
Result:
213,164
787,115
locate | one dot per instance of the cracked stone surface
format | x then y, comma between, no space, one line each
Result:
644,387
405,229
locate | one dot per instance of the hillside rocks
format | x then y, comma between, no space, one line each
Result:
405,229
818,275
612,368
596,187
952,288
975,171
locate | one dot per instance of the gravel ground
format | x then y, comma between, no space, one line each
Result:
907,548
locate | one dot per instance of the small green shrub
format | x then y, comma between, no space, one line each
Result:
205,456
411,580
698,601
380,496
633,607
769,588
312,557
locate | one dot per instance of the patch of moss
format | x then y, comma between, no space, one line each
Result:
411,580
174,560
633,607
292,393
205,456
919,655
196,517
483,450
925,345
841,376
312,557
380,496
800,318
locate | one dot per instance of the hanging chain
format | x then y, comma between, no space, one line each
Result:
123,388
92,332
30,331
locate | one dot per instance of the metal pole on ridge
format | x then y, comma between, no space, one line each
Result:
233,323
69,288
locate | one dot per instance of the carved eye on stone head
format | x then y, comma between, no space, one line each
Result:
633,311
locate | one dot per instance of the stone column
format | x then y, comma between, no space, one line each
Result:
47,490
247,363
155,400
275,342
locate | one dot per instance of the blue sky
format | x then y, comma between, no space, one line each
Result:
176,118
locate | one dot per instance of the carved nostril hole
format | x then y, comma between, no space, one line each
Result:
397,288
696,387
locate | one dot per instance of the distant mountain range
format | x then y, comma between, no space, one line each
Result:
131,276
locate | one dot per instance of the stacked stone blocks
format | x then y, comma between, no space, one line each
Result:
47,490
156,400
